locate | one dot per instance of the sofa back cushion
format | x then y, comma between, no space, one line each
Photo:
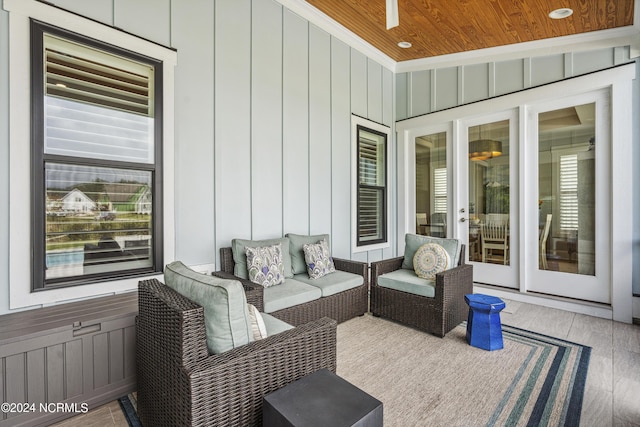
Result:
413,241
226,316
296,248
238,248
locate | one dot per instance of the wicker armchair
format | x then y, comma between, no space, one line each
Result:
180,383
341,306
437,315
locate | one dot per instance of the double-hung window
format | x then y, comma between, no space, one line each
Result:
371,141
96,160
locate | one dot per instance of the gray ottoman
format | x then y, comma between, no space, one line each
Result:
321,399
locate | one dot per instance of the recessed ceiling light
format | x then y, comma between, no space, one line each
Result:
404,45
565,12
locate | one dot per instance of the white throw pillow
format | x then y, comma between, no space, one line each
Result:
429,260
257,323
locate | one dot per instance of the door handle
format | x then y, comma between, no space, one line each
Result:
463,219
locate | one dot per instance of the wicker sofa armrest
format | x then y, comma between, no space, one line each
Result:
355,267
253,291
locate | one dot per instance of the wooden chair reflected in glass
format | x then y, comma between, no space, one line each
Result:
494,236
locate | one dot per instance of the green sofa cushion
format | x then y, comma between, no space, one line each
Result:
226,316
333,283
240,257
406,281
289,294
274,325
413,241
296,248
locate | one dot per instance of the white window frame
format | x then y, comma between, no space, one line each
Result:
355,122
20,13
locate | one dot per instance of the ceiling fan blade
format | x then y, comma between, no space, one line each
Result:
392,14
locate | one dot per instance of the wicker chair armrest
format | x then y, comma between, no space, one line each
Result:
379,268
455,283
170,323
253,291
319,332
249,372
355,267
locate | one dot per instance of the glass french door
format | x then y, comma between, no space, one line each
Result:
534,184
486,210
528,197
570,171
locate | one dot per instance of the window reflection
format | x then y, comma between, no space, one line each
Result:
98,220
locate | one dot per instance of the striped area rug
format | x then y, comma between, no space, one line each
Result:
422,380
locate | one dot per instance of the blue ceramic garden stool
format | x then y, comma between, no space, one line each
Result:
483,325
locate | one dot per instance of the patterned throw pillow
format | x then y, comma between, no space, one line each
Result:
258,328
429,260
265,265
318,259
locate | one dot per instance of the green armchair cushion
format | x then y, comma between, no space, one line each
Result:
406,281
226,315
413,241
275,325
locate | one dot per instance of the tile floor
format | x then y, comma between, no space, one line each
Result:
612,395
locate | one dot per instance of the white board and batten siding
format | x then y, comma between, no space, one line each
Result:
284,94
426,91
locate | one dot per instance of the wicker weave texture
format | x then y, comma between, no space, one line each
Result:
180,383
437,315
341,306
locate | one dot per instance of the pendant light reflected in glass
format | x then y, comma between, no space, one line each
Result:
484,149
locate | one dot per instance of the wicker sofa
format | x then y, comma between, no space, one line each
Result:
181,383
340,306
436,315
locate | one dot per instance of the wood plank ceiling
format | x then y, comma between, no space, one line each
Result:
440,27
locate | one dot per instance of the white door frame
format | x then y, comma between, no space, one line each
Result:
619,81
